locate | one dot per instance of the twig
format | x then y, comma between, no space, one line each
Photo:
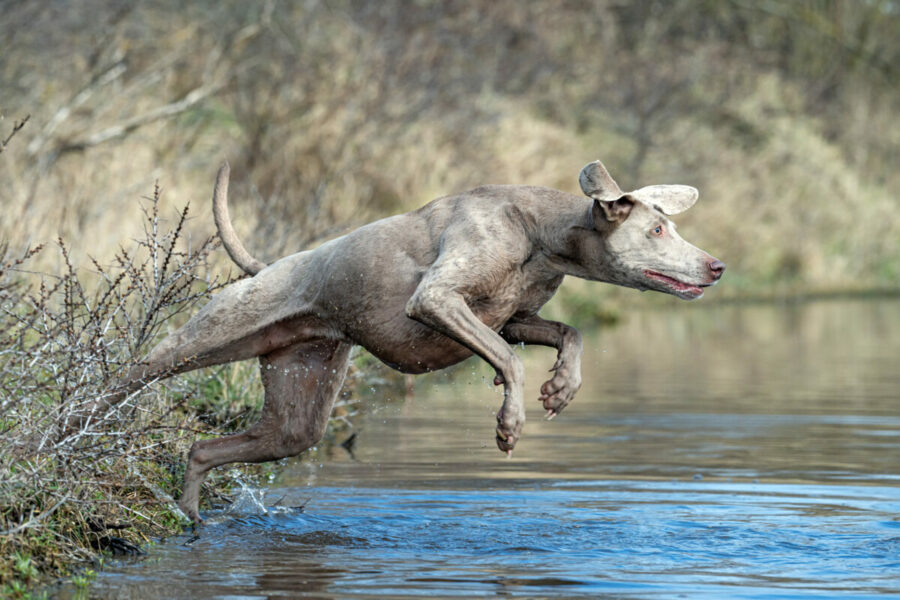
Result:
160,495
35,520
64,111
192,98
17,125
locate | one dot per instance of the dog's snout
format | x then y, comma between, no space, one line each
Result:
717,267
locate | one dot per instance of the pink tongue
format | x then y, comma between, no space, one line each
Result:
674,283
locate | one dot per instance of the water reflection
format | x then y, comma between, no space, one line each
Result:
731,451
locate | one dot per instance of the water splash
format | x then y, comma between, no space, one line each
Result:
248,501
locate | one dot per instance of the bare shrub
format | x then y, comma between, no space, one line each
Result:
69,492
66,340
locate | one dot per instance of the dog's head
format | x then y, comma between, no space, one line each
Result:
641,248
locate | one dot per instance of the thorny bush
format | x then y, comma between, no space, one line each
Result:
64,341
74,488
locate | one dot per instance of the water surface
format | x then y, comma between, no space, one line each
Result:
735,451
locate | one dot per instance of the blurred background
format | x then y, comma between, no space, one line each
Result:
783,114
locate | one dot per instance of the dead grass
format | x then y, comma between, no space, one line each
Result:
335,114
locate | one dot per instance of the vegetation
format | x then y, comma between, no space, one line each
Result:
335,113
73,489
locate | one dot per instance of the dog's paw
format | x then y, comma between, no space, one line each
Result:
190,512
509,429
557,392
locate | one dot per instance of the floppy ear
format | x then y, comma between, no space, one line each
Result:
605,212
597,183
669,199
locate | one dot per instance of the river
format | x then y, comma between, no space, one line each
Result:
738,451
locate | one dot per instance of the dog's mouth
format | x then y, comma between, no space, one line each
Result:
688,291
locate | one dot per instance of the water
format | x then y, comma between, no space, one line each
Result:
737,452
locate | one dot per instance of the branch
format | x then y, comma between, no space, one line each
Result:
122,129
63,113
17,125
34,520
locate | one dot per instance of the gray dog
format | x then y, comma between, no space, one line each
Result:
463,275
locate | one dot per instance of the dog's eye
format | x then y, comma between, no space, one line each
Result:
658,230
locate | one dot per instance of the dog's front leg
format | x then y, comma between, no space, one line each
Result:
447,312
558,391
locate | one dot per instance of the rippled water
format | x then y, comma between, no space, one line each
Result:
738,452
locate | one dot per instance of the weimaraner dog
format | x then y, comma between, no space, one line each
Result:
463,275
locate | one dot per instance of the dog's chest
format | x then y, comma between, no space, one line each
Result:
493,312
517,294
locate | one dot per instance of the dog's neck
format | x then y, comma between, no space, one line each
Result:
566,237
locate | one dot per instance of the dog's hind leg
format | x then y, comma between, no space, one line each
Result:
206,340
301,383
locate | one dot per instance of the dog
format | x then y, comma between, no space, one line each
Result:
462,275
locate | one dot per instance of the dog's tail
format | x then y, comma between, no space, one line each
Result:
230,240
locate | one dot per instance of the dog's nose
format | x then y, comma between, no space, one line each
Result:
717,267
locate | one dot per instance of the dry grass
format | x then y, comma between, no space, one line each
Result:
333,114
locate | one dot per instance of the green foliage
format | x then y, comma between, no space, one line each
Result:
584,310
24,567
228,397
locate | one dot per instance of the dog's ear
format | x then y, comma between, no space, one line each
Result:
597,183
668,199
607,212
